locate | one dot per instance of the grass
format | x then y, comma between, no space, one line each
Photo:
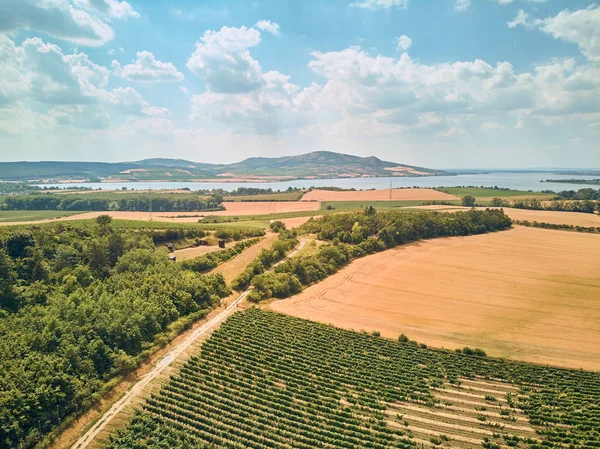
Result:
32,215
487,192
281,196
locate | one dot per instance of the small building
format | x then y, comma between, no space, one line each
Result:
203,242
173,257
170,247
221,243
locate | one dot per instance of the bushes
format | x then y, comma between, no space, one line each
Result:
136,202
265,260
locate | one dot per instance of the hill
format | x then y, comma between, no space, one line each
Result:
315,165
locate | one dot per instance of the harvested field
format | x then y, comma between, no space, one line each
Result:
292,223
526,294
378,195
541,216
235,266
239,208
192,253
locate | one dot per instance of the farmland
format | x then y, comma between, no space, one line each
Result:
231,209
256,384
527,294
486,193
541,216
378,195
17,216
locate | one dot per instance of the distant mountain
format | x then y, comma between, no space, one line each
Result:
315,165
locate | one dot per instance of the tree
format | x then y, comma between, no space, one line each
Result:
468,201
496,202
103,221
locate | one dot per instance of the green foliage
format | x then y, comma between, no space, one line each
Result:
265,260
468,201
264,380
117,202
80,305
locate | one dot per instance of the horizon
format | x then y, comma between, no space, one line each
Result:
216,82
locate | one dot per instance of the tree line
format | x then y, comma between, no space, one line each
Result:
354,235
80,306
132,203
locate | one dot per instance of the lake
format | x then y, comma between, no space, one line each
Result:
519,181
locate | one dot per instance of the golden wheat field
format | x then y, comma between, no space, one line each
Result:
526,294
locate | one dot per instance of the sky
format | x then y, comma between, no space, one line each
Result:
435,83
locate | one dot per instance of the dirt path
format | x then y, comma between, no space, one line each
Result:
163,363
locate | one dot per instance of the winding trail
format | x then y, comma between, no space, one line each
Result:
163,363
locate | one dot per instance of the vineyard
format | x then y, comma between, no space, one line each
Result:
266,380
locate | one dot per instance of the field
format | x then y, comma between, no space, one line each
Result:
282,196
266,380
235,266
239,208
378,195
483,193
17,216
541,216
526,294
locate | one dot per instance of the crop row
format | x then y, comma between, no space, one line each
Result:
266,380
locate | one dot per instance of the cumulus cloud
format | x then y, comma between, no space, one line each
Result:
380,4
404,42
580,27
222,60
268,26
71,86
146,69
83,22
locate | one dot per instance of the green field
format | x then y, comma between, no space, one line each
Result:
266,380
280,196
485,192
32,215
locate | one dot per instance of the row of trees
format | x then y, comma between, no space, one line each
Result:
357,234
80,305
135,202
267,257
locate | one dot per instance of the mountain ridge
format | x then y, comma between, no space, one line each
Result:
313,165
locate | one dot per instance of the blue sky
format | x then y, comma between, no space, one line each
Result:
437,83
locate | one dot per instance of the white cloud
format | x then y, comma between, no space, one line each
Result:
146,69
70,86
580,27
522,18
404,42
127,100
222,60
83,22
184,89
112,8
491,125
461,5
267,25
380,4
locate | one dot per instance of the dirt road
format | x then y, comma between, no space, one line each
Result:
162,364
